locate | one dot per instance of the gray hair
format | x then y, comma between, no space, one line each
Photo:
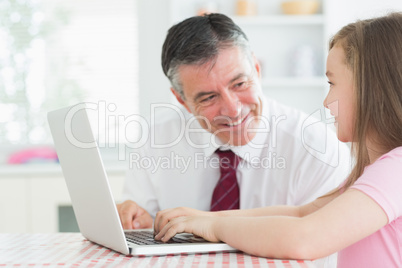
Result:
196,41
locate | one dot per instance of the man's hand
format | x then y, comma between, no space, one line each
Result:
133,216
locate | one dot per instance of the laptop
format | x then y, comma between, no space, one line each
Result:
91,197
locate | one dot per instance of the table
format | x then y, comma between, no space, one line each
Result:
73,250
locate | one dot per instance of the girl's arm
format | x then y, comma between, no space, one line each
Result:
294,211
163,217
342,222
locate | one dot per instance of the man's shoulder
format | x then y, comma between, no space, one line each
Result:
307,135
173,128
168,114
169,120
284,118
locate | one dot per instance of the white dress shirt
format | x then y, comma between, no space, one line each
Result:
292,160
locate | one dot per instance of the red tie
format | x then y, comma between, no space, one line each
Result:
226,193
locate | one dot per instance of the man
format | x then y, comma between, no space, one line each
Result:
216,78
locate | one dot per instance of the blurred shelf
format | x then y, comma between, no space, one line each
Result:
298,20
294,82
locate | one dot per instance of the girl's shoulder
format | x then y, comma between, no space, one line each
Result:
395,154
386,165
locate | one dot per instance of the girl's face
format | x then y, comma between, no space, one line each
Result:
340,99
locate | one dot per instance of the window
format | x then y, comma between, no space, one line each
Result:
55,53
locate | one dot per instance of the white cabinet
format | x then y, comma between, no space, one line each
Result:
290,48
30,199
14,195
47,194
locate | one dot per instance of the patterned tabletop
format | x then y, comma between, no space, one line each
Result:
73,250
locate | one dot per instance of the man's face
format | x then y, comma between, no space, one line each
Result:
224,94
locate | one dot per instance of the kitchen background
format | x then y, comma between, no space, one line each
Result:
55,53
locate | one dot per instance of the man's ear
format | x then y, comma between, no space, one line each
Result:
257,66
180,99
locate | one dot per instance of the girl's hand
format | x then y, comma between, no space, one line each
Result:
164,216
202,226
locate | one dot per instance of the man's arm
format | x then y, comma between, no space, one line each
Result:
141,203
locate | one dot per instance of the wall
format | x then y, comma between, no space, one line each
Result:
153,25
343,12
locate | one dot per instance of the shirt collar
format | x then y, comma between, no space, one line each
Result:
200,139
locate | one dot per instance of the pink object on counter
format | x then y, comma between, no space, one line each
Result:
42,154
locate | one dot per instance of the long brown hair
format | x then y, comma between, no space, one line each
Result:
373,50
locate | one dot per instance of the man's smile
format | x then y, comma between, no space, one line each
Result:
238,123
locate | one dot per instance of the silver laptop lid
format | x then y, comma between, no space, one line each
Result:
86,178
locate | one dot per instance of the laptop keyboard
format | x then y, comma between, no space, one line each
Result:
147,238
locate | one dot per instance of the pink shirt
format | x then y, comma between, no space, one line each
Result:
382,181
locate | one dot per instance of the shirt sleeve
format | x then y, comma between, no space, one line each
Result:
382,181
319,179
320,173
138,185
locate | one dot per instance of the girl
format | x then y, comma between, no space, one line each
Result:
362,218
